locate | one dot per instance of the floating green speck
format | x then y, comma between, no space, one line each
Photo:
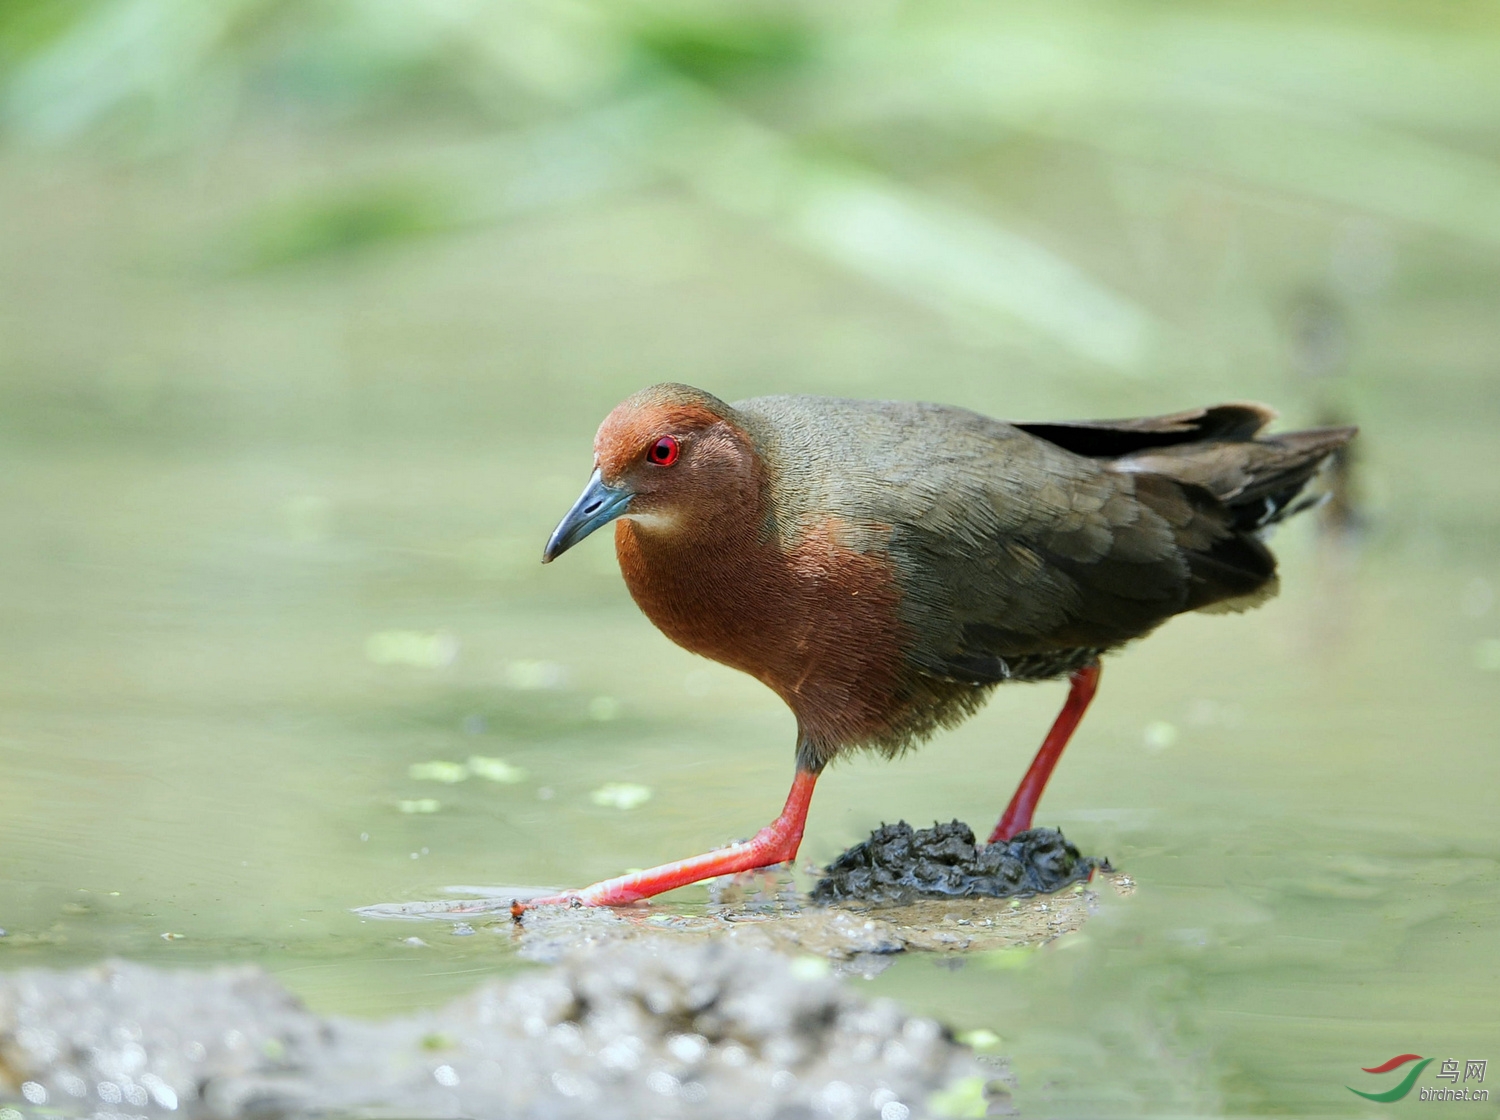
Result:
438,771
1159,735
1006,959
412,647
621,795
980,1038
964,1098
495,769
420,805
1487,655
531,676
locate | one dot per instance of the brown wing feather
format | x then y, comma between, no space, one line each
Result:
1021,606
1166,528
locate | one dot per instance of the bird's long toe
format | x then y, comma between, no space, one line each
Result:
520,906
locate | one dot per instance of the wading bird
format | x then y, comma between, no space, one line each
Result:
882,566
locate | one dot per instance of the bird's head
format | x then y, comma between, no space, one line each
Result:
671,459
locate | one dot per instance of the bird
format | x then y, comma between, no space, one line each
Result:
883,566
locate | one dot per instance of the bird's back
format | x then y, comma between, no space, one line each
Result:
1024,550
891,462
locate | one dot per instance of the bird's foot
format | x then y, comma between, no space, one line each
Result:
611,892
776,843
520,906
769,847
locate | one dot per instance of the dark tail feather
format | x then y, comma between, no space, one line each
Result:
1259,481
1279,476
1256,483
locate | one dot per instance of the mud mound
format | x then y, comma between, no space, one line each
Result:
899,864
645,1028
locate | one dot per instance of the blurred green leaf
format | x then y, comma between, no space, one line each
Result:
164,57
728,51
339,223
29,26
1279,103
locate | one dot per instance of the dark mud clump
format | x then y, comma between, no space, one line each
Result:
899,864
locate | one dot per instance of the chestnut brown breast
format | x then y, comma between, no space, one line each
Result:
818,621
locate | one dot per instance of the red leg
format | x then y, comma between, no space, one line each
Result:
1017,816
776,843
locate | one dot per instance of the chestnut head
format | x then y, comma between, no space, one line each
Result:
669,458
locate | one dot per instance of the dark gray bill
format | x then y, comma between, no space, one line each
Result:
597,505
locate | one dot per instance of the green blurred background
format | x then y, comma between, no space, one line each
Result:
307,315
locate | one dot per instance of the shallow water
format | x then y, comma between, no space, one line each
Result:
198,744
245,597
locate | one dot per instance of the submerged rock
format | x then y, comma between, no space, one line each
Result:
899,864
649,1027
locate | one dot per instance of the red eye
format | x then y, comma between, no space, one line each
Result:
663,452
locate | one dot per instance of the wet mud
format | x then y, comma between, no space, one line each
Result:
737,1009
860,941
649,1027
765,911
899,864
